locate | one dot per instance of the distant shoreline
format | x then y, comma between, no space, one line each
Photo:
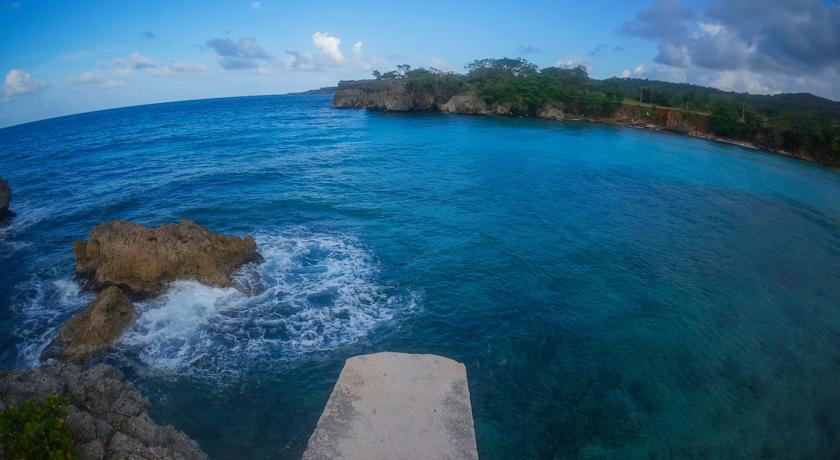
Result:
395,96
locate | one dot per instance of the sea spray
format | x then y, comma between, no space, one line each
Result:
43,306
315,292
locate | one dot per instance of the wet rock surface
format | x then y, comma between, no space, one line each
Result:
95,328
125,260
108,415
143,260
5,199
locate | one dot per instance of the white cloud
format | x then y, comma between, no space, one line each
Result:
329,45
256,4
93,78
638,71
142,62
711,29
243,54
113,83
84,78
21,82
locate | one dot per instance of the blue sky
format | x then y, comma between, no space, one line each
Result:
59,58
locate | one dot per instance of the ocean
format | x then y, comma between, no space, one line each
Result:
613,292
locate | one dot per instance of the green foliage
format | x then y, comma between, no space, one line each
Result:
526,90
36,431
725,120
801,123
484,70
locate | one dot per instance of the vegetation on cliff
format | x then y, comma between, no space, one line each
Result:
518,85
801,124
36,430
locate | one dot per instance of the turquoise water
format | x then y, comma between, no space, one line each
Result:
614,293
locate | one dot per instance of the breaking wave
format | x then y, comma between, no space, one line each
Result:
43,306
313,293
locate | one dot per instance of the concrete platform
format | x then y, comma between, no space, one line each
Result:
397,406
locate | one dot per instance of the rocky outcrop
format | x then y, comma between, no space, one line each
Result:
143,260
108,416
95,328
392,95
465,103
5,199
125,260
552,113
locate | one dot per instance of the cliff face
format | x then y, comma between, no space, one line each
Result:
108,415
402,96
392,95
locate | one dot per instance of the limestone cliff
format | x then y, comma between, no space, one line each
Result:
392,95
108,416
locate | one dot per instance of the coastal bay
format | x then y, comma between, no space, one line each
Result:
610,291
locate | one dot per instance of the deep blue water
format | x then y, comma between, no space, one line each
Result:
614,293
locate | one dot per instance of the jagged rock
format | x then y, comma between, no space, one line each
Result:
127,259
95,328
143,260
393,95
108,416
552,113
5,199
465,103
500,109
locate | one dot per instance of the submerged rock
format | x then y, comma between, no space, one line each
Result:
5,199
108,416
143,260
95,328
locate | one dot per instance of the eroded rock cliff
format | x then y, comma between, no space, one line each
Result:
108,416
392,95
125,260
142,260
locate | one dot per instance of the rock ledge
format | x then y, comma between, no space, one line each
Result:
108,416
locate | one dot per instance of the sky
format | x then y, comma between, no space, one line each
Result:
59,58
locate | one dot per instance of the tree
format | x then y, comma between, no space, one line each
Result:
403,69
724,120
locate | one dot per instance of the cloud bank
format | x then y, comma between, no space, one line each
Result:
245,54
790,46
21,82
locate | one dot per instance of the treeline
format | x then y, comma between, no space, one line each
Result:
520,86
804,124
801,123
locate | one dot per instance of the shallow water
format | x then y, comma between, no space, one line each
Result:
614,293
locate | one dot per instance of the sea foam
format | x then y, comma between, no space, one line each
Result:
313,293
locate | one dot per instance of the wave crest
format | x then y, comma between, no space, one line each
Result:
313,293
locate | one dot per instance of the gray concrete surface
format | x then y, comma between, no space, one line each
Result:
397,406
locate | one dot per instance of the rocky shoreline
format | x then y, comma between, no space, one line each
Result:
122,262
108,416
399,96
